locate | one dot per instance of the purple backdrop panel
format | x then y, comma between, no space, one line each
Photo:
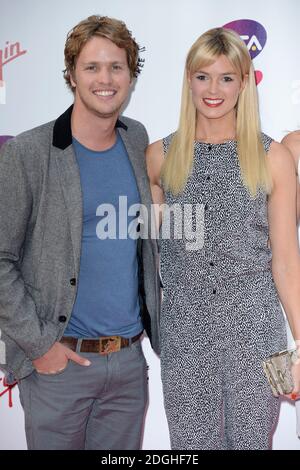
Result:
4,138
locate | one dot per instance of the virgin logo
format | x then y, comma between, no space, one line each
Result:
8,54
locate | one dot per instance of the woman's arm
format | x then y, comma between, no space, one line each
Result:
292,142
154,161
284,240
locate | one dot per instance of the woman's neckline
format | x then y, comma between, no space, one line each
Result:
223,142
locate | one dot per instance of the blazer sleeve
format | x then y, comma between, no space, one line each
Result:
19,318
145,135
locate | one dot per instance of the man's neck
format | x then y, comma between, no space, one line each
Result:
94,132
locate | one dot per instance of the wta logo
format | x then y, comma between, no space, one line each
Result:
255,37
8,54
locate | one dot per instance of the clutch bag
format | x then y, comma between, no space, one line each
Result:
278,369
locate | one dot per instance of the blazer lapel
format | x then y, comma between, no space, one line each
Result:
135,158
69,175
141,177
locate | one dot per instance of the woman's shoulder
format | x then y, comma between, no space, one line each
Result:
155,148
292,142
160,147
280,160
292,138
267,141
166,142
168,139
273,147
154,160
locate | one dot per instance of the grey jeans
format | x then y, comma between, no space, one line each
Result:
99,407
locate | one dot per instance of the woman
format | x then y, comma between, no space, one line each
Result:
221,314
292,142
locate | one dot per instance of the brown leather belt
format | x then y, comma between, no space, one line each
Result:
104,345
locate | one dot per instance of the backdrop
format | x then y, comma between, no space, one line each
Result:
32,91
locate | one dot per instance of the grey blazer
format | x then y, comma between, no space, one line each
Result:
40,240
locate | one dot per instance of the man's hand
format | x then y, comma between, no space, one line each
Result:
56,359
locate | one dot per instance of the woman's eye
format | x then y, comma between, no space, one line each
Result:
228,79
201,77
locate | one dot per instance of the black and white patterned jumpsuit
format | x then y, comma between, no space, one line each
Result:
221,315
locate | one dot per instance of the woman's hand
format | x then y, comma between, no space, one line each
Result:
295,394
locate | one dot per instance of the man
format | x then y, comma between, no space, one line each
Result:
74,294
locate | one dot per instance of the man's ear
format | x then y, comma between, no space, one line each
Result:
72,79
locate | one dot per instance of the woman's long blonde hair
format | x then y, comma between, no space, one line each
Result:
252,156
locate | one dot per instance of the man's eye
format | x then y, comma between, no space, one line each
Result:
91,67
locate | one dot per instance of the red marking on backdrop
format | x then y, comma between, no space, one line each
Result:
258,76
9,53
8,389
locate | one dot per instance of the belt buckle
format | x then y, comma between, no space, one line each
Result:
109,344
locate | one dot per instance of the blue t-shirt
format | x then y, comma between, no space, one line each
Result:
107,298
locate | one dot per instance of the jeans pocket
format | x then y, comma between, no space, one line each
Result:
55,374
